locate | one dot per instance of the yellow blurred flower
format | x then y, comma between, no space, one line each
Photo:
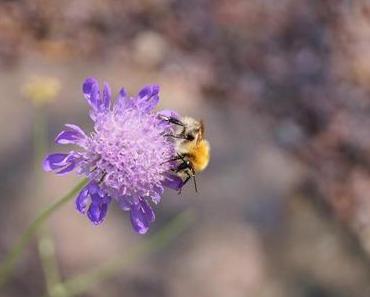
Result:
41,89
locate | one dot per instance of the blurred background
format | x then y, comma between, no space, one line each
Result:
283,209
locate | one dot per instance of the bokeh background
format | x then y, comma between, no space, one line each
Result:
283,87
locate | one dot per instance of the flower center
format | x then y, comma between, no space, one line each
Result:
131,153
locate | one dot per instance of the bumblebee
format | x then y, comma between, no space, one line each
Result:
192,149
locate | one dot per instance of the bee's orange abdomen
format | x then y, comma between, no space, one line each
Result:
200,156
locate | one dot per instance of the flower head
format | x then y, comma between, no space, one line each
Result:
125,158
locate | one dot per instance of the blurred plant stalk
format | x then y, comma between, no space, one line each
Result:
40,92
7,266
81,283
45,244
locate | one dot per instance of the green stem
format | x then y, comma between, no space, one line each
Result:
48,259
45,242
7,266
79,284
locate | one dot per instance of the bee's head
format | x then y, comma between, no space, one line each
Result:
193,130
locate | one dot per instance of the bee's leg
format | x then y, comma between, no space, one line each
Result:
182,157
193,175
183,166
175,136
195,184
173,120
178,157
171,160
189,175
102,177
176,122
185,181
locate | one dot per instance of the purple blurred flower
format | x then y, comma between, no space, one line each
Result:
125,158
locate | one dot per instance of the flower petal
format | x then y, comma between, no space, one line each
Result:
123,102
148,98
155,195
76,128
141,216
138,223
67,169
61,163
71,136
66,137
97,212
54,161
83,200
125,202
168,113
94,188
107,94
123,92
173,181
90,89
147,211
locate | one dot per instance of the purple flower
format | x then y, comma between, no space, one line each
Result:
125,158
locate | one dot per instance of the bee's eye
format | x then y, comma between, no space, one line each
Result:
189,137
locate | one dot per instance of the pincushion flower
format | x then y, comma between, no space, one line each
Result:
125,158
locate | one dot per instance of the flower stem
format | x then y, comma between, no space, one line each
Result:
7,265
